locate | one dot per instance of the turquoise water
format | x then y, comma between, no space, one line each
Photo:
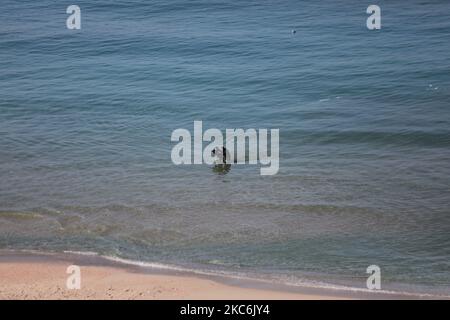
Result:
86,118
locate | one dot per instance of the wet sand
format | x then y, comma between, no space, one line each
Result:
44,276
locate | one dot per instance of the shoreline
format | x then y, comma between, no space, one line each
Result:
42,275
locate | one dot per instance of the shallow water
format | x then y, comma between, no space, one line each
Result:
86,118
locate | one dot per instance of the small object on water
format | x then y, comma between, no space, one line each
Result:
221,156
294,31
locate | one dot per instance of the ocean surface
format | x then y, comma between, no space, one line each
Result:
86,118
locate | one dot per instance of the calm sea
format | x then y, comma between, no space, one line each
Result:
364,116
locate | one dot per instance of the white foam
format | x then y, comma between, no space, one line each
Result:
298,283
242,276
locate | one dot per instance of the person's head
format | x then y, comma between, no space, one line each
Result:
220,155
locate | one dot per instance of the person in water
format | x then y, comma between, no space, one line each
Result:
222,160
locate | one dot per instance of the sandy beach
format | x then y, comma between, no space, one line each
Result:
43,276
